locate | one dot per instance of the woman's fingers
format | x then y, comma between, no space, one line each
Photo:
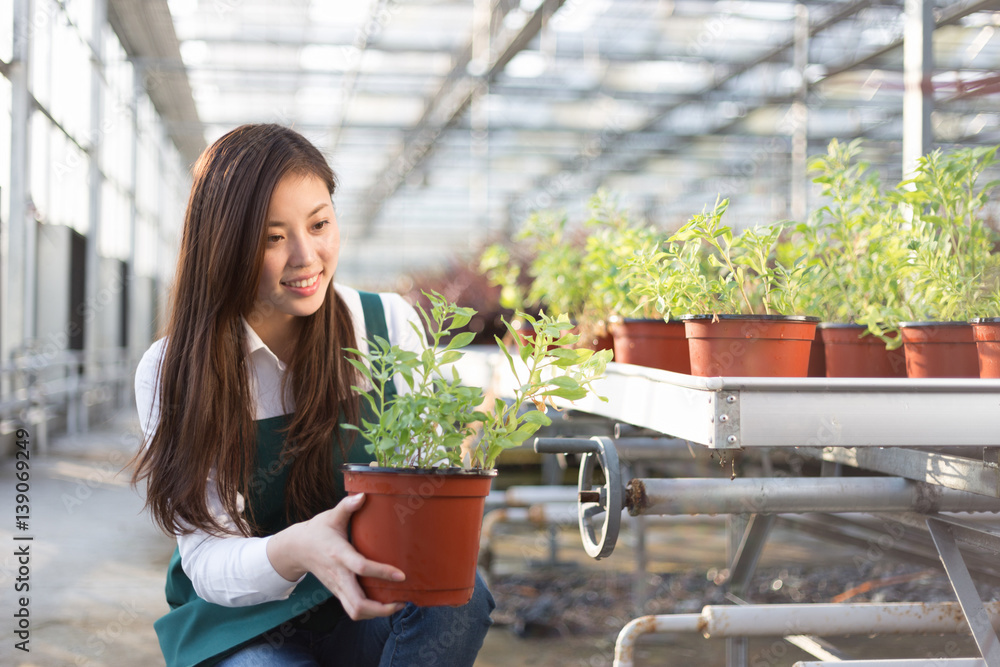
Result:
358,566
342,511
359,607
369,568
343,564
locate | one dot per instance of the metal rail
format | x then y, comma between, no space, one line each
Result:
36,386
773,620
735,413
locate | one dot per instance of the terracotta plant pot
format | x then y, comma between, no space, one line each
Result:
939,350
817,358
750,345
853,353
426,523
986,331
652,343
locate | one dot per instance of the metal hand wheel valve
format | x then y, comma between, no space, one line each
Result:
599,508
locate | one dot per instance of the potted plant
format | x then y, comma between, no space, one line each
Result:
950,261
426,489
590,278
736,297
850,247
551,257
640,333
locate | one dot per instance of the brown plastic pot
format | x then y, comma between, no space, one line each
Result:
426,523
851,352
939,350
651,343
750,345
986,331
817,358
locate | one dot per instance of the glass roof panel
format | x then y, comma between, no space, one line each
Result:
668,101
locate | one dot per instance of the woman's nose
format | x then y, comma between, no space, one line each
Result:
303,251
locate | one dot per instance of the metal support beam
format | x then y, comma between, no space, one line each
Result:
797,495
799,117
744,561
737,528
954,472
448,104
91,342
134,337
918,93
965,590
13,243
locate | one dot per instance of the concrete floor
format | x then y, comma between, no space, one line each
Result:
97,566
97,563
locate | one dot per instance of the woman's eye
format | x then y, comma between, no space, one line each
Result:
321,224
273,238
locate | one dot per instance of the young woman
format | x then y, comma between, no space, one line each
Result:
241,405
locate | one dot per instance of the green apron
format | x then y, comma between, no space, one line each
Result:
197,632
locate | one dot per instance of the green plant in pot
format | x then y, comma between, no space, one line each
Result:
950,262
552,259
737,298
641,334
435,448
850,247
582,273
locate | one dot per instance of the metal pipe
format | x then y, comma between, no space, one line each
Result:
768,620
779,620
652,449
918,662
519,496
798,496
625,645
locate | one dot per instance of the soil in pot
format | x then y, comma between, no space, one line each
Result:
426,523
850,352
750,345
939,350
652,343
986,331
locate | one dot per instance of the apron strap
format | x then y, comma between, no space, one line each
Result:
375,324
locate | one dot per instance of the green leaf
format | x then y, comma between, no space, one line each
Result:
510,359
564,382
523,432
568,394
449,357
461,340
537,417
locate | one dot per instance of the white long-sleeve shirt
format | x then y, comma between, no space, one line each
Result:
235,571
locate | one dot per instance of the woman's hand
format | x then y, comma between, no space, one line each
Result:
320,546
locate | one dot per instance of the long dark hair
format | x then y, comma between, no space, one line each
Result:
206,404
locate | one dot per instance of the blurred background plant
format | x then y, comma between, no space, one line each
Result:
952,266
853,247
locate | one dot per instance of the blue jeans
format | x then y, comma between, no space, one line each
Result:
413,636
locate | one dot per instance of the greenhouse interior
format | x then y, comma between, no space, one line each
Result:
696,301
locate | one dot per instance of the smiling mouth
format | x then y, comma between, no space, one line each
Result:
308,282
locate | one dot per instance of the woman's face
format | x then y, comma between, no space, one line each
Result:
300,256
